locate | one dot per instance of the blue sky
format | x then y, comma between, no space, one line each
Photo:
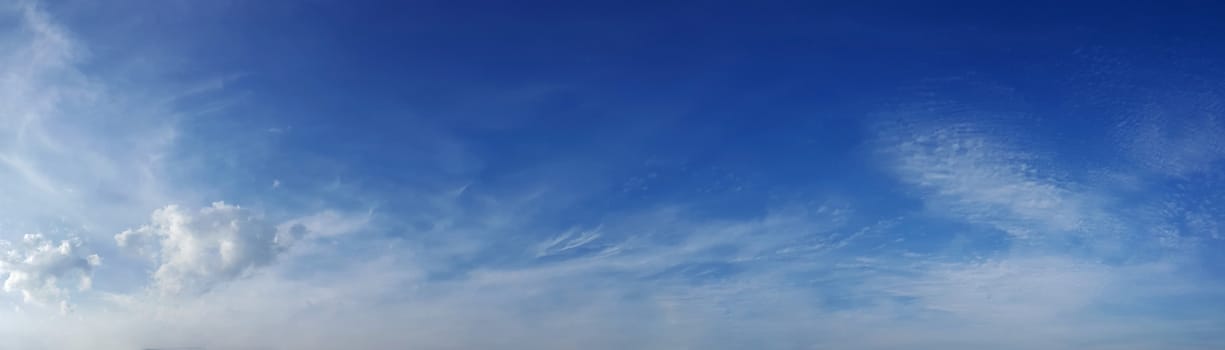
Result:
650,175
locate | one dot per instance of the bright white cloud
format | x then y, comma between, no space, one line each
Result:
43,270
195,251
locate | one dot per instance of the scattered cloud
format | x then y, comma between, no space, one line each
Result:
387,298
195,251
483,265
965,170
44,271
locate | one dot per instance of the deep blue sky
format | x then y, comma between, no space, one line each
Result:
782,175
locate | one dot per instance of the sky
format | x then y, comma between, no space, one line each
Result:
612,175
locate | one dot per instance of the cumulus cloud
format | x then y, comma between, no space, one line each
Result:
195,251
44,270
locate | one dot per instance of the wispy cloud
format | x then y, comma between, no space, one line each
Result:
65,155
468,262
968,172
567,241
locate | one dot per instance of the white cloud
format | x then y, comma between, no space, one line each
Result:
73,151
967,172
1020,290
387,297
569,240
661,278
43,270
194,252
